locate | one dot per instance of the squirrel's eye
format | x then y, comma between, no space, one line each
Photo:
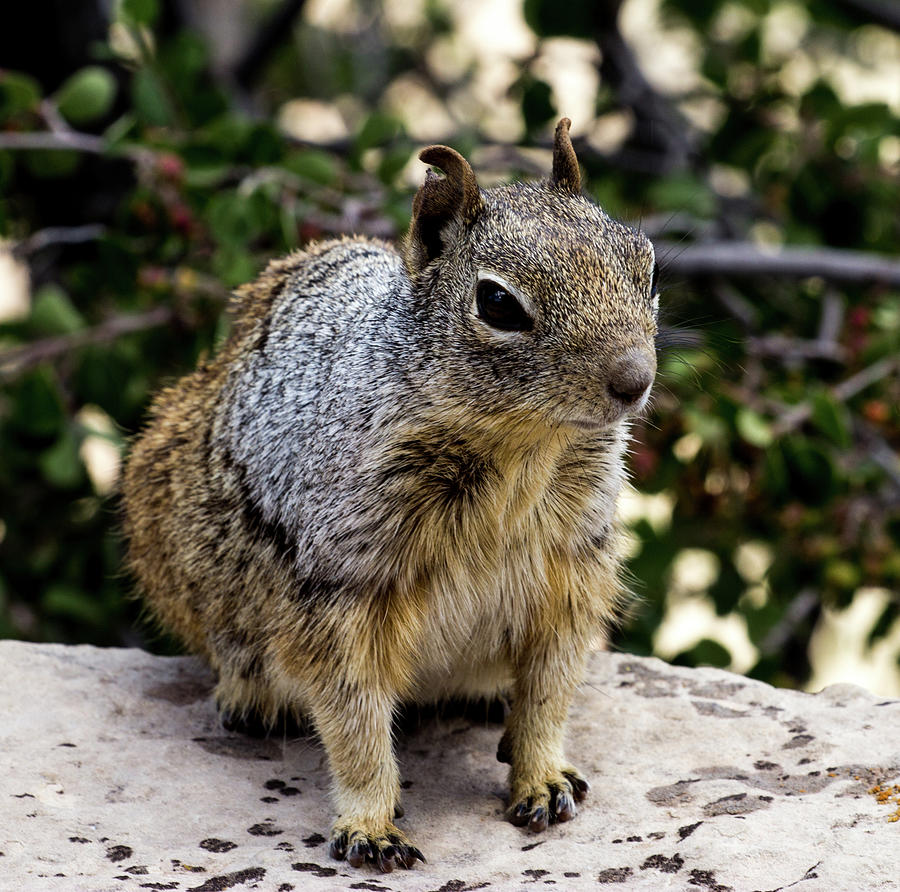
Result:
500,309
654,280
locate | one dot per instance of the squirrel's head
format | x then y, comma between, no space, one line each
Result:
531,298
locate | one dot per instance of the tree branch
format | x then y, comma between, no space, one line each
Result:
71,141
58,235
19,359
662,137
745,259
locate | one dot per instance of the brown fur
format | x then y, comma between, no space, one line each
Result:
371,495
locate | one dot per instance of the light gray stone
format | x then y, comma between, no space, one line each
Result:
115,774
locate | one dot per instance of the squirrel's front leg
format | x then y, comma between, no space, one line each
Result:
354,725
544,787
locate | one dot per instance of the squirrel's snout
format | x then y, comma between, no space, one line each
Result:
632,376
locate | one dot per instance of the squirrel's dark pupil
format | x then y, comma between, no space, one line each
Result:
500,309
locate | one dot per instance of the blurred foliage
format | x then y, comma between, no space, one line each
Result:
755,436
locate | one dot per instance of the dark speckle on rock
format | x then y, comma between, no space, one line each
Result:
798,741
315,869
635,839
664,864
78,839
687,830
285,887
264,830
532,845
137,870
460,886
316,839
119,853
706,707
707,880
160,886
614,875
762,765
230,880
571,874
535,873
269,799
658,834
738,804
66,744
274,784
679,792
365,884
289,791
217,845
286,846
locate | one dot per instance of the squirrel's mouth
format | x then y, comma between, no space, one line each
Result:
590,424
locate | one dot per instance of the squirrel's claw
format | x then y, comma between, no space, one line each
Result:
386,851
552,803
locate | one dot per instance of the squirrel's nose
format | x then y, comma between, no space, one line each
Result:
631,376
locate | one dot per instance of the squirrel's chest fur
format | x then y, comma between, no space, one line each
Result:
497,540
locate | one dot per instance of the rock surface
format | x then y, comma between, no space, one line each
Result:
115,774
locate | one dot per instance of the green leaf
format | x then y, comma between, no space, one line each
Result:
52,164
53,313
683,193
832,418
537,104
141,12
377,130
18,93
37,407
61,464
65,600
754,428
313,165
810,473
704,653
151,102
87,95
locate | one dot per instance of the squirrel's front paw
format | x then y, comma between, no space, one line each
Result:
548,800
386,847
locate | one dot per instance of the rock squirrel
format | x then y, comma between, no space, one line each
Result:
397,481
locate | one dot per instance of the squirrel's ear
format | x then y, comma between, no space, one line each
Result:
566,174
439,202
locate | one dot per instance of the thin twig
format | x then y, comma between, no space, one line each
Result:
791,349
746,259
797,415
71,141
58,235
19,359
